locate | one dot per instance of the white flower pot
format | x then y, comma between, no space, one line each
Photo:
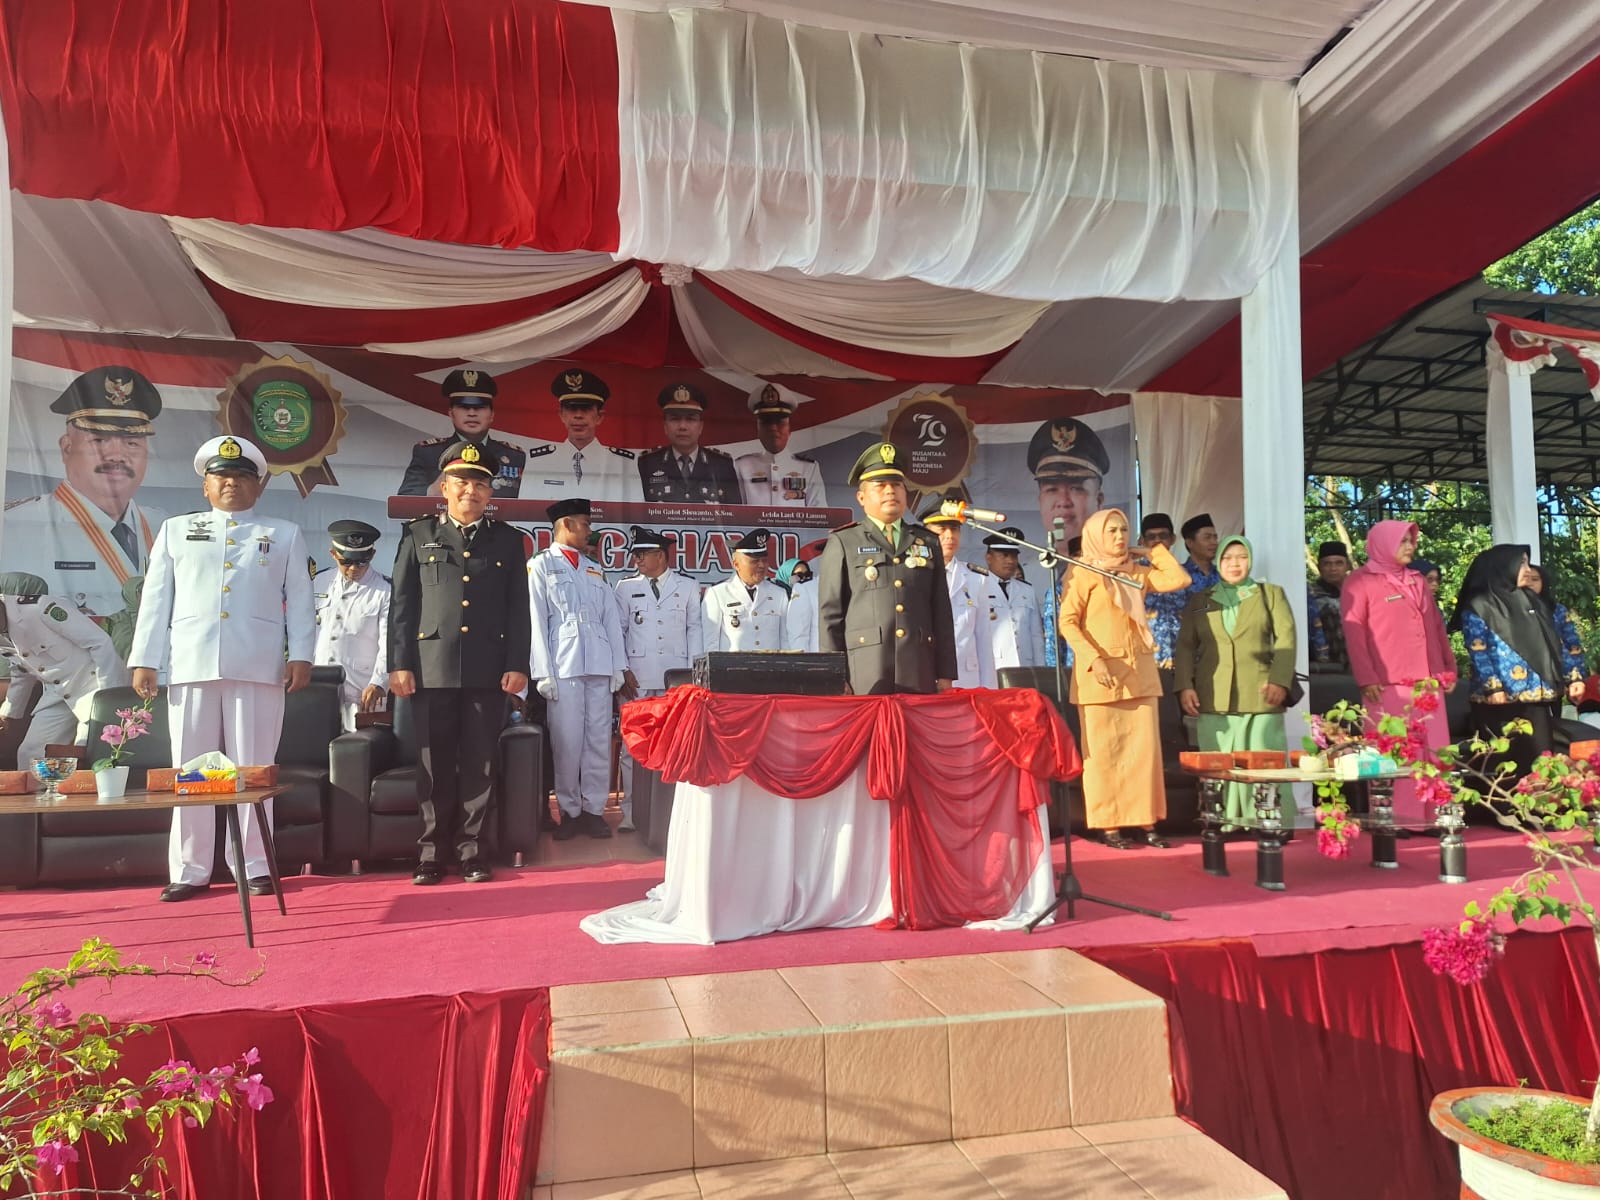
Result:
1491,1170
111,784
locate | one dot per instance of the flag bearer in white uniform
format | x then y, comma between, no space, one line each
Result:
352,602
578,662
227,610
966,582
746,611
1013,622
661,629
52,646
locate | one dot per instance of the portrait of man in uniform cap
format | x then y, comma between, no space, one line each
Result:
469,395
1069,463
773,475
88,537
683,469
582,465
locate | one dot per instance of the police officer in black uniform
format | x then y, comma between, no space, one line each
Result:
882,594
683,469
471,396
458,646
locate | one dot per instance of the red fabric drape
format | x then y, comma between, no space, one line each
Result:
1317,1069
962,771
433,1097
488,122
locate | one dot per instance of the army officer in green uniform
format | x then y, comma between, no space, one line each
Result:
882,596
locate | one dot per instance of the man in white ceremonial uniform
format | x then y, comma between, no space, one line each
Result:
352,602
1014,623
747,610
581,466
772,476
968,609
579,661
59,654
227,610
661,629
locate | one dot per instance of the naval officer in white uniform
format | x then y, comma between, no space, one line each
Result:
579,661
661,629
974,666
227,611
352,602
1014,624
746,611
771,476
54,650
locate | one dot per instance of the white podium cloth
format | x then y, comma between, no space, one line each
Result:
742,861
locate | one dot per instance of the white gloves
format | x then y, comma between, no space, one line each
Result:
546,688
617,680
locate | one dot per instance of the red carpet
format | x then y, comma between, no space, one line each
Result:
377,937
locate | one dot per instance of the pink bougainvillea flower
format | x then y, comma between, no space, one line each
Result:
1589,789
251,1057
256,1093
1426,702
205,959
1433,790
55,1014
56,1155
1331,845
181,1078
1466,952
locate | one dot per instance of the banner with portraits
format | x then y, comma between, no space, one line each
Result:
103,432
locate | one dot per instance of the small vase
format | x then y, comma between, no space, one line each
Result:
111,784
1491,1170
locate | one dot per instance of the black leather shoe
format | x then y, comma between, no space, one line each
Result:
1116,841
475,870
260,885
427,874
595,825
1152,838
568,829
175,892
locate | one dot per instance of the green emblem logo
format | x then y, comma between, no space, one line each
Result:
56,613
281,413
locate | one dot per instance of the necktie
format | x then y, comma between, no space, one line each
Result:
656,588
577,466
685,465
1005,588
126,540
752,592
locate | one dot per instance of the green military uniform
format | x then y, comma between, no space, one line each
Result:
886,606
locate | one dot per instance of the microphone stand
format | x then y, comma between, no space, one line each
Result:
1068,890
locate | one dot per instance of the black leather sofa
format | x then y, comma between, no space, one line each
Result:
117,844
374,782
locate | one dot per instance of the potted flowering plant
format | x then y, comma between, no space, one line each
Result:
1511,1141
61,1085
110,773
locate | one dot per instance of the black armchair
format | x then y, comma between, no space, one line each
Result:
374,782
652,798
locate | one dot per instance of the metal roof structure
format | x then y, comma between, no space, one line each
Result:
1410,404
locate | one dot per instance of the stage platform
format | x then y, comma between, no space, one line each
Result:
1285,1011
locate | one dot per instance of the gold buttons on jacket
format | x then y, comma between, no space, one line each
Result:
899,633
227,566
466,554
899,608
224,616
466,603
466,579
463,629
230,541
899,583
226,588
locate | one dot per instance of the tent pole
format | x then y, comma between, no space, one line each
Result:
8,261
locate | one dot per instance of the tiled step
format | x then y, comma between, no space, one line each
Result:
688,1076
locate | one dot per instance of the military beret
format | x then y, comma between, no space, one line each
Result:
465,459
1002,541
1155,521
229,453
769,400
576,506
753,543
880,461
683,396
1332,550
1066,448
641,538
1196,523
355,540
110,400
580,387
469,387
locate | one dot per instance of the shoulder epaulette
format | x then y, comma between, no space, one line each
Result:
438,441
541,451
27,599
805,458
621,453
10,504
977,570
842,528
713,452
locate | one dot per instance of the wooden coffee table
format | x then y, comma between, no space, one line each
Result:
227,801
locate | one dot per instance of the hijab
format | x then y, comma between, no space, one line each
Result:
1518,617
785,574
1231,595
1383,542
1129,597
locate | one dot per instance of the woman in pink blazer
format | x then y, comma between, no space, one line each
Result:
1395,637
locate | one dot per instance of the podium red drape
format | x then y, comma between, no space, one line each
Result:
962,771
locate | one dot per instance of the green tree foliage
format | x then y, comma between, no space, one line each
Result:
1566,259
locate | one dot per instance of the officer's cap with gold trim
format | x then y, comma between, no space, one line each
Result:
753,543
576,506
228,454
641,538
470,387
681,397
1004,544
1066,448
933,518
466,460
354,540
882,460
771,401
115,400
578,387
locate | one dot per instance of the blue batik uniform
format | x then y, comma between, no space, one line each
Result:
1166,610
1497,669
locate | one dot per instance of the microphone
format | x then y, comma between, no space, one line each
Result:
1058,531
962,511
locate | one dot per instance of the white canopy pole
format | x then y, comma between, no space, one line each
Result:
1273,438
1508,442
7,268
